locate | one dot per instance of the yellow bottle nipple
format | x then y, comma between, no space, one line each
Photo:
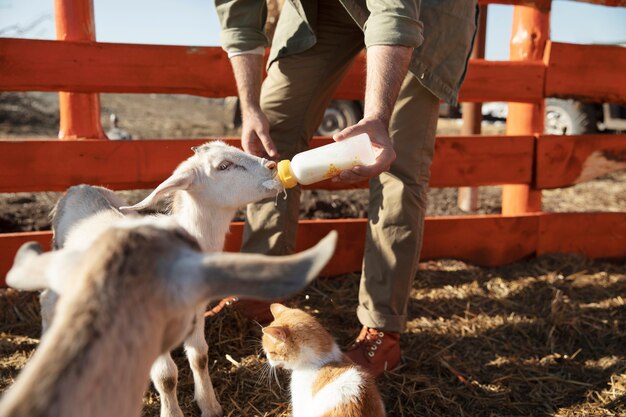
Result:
284,174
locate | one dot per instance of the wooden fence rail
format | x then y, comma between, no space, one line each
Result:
592,72
55,165
545,4
562,161
553,161
35,65
483,240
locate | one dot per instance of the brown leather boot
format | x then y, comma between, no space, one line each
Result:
375,350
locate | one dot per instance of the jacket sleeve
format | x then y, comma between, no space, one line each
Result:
394,22
243,24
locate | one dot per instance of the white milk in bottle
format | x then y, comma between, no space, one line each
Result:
326,161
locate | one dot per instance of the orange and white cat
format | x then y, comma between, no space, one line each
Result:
324,383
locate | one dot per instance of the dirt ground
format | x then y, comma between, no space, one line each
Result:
543,337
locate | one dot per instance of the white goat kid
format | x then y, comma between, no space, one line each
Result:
207,189
133,296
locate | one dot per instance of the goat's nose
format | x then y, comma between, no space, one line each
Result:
270,165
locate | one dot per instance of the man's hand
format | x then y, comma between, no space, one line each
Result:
383,148
255,131
387,66
255,134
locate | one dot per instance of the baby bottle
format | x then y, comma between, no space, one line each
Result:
326,161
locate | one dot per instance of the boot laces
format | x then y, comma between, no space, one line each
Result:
370,339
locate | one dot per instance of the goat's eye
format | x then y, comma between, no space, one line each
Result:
224,165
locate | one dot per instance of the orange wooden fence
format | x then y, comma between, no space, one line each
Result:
204,71
524,160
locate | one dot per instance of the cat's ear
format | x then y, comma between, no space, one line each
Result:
277,309
277,332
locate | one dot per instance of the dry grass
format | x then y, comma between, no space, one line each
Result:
544,337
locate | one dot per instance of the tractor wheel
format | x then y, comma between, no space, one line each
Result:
569,117
339,115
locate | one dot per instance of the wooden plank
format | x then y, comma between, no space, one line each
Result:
483,240
52,165
545,4
590,72
105,67
567,160
539,4
36,65
519,81
597,235
55,165
11,242
482,160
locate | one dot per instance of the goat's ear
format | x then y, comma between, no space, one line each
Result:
33,270
217,275
28,272
179,180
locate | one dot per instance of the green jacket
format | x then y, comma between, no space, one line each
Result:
441,31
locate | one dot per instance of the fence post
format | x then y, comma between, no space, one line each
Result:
531,31
79,112
467,199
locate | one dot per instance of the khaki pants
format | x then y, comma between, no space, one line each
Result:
296,92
